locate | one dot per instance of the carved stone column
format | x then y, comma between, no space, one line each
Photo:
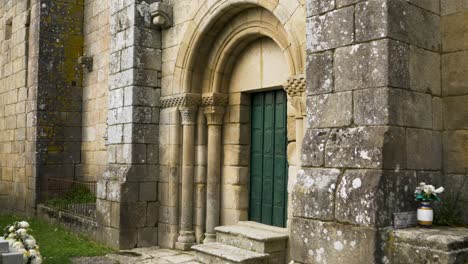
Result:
295,88
214,119
186,237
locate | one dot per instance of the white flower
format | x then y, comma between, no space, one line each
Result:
23,224
429,189
36,260
18,245
11,229
11,241
30,242
422,184
21,231
12,235
439,190
33,253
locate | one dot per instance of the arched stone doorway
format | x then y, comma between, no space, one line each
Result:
214,103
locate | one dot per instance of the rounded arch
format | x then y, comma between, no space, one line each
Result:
215,36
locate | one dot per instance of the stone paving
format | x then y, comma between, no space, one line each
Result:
152,255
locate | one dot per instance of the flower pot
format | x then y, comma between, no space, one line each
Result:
425,214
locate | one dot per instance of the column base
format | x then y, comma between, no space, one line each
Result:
184,246
185,240
209,238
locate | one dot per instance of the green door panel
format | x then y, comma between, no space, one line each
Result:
268,169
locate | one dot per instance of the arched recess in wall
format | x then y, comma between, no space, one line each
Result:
219,33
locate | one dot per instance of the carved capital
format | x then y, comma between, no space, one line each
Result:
161,15
189,115
215,99
181,100
295,85
214,115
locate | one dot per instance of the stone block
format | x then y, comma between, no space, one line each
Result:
316,7
366,147
132,215
370,197
455,154
319,73
367,65
435,245
236,175
236,155
147,236
329,110
455,73
451,6
371,107
4,246
453,31
424,28
331,30
457,184
411,109
424,148
382,18
455,112
152,215
234,197
148,191
313,147
314,241
236,134
425,71
314,193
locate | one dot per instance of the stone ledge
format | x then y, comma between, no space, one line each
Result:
229,253
418,245
440,238
253,231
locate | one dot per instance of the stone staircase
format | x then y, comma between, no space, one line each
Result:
247,243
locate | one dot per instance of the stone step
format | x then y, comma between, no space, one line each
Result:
254,237
217,253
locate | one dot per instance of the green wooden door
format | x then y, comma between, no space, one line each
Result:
268,166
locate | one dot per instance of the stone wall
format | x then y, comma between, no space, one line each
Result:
454,59
95,91
14,34
374,125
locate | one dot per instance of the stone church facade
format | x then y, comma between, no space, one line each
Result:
314,119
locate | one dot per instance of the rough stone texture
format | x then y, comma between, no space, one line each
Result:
313,147
316,7
425,71
331,30
320,73
424,149
327,242
455,73
455,151
366,147
453,31
212,253
358,200
419,245
314,193
330,110
365,65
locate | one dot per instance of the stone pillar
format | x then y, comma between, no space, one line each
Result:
127,194
186,237
214,119
200,178
295,88
371,135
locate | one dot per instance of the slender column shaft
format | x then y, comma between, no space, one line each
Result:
214,117
187,236
200,178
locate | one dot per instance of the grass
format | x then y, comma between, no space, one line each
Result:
56,244
77,195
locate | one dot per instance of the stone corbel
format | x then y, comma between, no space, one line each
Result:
161,15
295,88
